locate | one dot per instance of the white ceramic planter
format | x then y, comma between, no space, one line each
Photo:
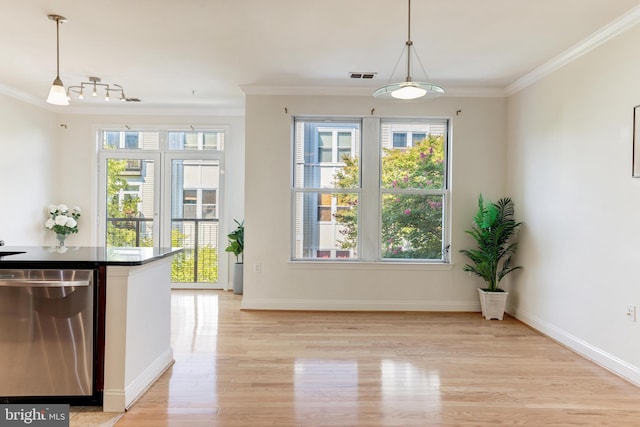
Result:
493,304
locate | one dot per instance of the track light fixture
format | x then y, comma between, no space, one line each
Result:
94,83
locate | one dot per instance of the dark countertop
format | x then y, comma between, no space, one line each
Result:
80,256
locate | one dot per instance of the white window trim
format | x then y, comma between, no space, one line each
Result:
370,230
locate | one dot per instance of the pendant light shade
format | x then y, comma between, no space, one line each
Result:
408,89
57,94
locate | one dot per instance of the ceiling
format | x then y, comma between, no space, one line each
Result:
203,55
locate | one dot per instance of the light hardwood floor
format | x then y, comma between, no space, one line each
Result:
250,368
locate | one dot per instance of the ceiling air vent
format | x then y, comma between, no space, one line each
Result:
361,75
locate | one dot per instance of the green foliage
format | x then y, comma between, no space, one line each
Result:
183,266
236,241
493,228
121,233
184,263
411,223
348,177
116,208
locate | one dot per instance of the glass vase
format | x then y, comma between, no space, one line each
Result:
60,238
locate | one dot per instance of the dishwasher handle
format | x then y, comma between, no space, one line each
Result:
43,283
45,278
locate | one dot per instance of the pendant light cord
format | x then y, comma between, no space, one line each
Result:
409,43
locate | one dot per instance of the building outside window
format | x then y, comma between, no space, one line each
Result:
398,166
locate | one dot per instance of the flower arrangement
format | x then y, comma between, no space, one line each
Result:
63,221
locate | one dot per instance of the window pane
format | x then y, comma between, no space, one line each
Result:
399,140
412,226
419,167
319,150
326,231
208,203
190,141
196,140
324,147
209,197
417,137
344,145
194,186
111,140
212,141
324,207
129,203
130,140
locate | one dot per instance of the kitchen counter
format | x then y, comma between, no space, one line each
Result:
80,256
133,311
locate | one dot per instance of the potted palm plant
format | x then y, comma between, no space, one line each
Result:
494,229
236,246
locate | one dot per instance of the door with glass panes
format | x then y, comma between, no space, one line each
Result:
164,188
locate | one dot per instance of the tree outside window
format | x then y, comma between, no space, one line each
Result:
411,197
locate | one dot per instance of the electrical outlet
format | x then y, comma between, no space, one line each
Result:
257,268
631,313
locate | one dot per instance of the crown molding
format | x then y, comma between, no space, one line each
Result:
21,96
606,33
359,91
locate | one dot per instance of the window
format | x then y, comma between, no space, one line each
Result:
400,138
196,140
118,140
398,166
189,203
413,191
209,204
324,151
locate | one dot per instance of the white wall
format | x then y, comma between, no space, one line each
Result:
29,170
478,150
569,170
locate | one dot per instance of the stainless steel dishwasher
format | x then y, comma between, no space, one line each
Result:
46,333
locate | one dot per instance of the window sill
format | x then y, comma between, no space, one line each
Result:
380,265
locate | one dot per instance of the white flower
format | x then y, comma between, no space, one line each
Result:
61,220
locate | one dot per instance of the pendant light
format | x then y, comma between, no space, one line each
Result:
408,89
57,94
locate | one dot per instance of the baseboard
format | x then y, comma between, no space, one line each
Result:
138,386
608,361
120,400
113,401
355,305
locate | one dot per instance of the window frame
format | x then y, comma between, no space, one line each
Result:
370,192
334,125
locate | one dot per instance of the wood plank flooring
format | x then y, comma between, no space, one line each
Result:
254,368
